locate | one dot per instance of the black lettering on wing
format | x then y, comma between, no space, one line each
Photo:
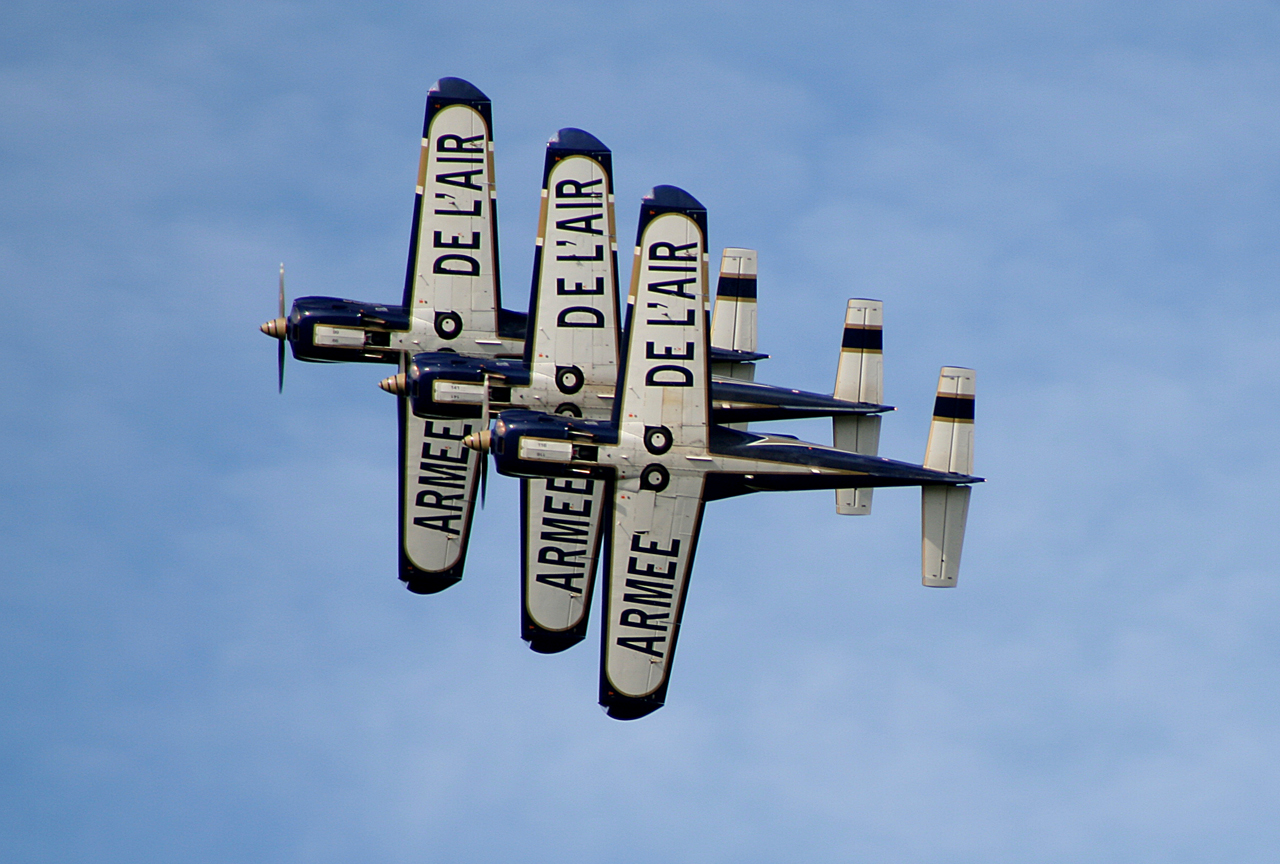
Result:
429,430
654,549
648,593
663,251
457,144
579,288
461,179
668,353
578,189
651,569
558,557
571,484
580,316
549,506
456,242
674,287
456,265
584,224
644,645
435,500
563,581
668,376
442,476
570,530
443,524
640,619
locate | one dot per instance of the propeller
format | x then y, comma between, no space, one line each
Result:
280,351
277,328
484,456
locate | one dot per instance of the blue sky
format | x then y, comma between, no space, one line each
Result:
205,654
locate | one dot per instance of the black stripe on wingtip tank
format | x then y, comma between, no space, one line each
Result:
736,286
953,408
863,339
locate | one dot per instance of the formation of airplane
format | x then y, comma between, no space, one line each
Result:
620,424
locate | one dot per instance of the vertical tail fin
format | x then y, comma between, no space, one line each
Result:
733,323
951,433
944,509
859,378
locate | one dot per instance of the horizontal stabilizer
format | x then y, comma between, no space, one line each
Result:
859,378
857,433
944,510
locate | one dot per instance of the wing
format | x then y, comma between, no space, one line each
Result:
574,299
663,433
561,520
654,535
438,481
666,375
451,286
572,354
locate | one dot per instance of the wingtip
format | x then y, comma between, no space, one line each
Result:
457,88
572,138
672,196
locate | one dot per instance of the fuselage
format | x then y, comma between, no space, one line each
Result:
335,330
529,444
442,384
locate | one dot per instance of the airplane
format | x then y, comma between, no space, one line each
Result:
570,367
661,457
451,302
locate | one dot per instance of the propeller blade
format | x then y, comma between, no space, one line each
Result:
484,420
280,351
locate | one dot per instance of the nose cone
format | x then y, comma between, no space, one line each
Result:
396,384
477,441
275,328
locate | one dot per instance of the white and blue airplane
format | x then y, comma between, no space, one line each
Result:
660,457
